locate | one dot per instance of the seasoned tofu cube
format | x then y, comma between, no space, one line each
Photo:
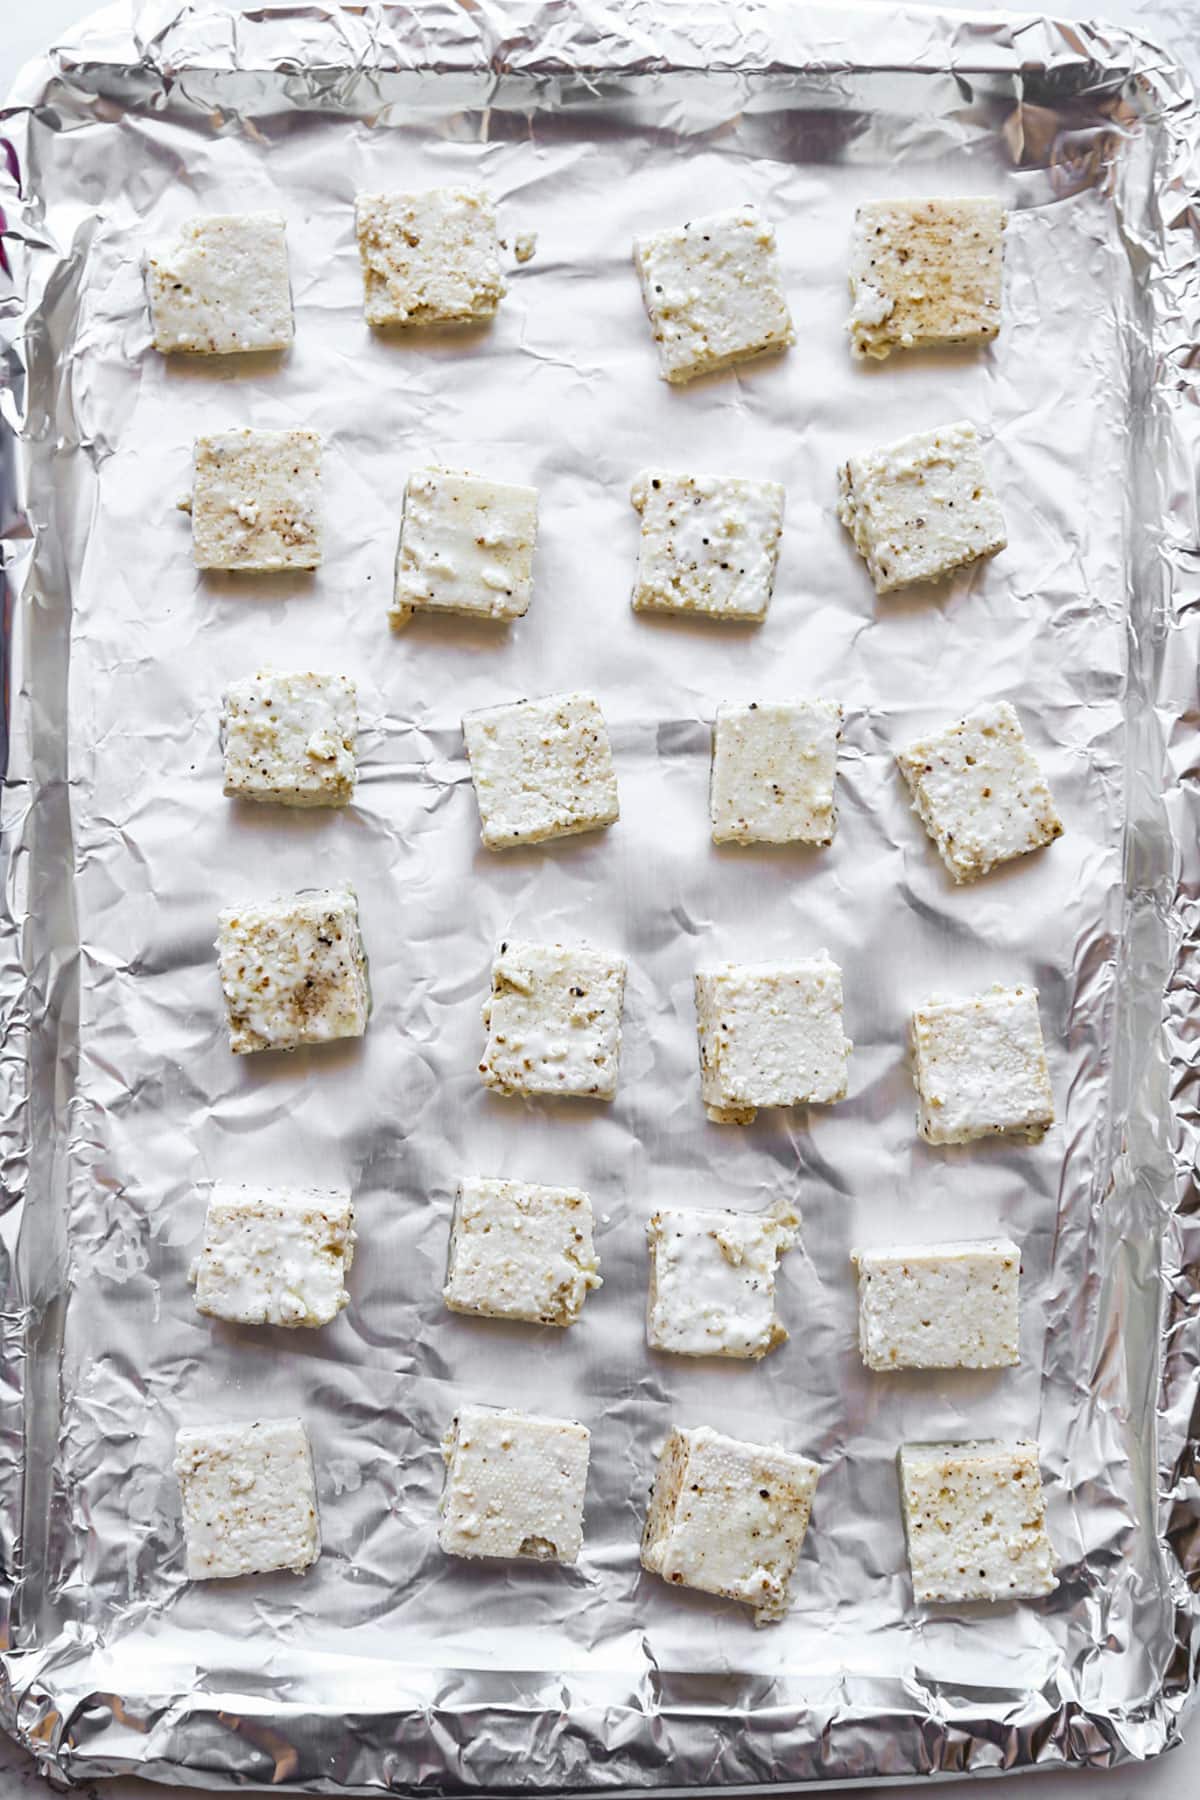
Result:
293,971
975,1521
514,1485
709,544
249,1499
712,1280
518,1251
729,1518
431,258
553,1020
714,292
773,770
466,546
770,1035
291,738
274,1256
939,1306
221,286
256,501
979,792
980,1067
925,272
921,508
542,769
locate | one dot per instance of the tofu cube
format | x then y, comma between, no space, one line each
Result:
921,508
975,1521
729,1518
249,1499
925,272
939,1306
293,971
466,546
274,1256
553,1020
709,544
773,772
514,1485
542,769
519,1251
291,738
979,792
712,1280
713,291
980,1068
431,258
221,287
770,1035
256,501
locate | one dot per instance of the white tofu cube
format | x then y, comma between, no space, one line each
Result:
221,287
542,769
249,1499
466,546
714,292
975,1521
980,1067
770,1035
729,1518
256,501
553,1020
979,792
939,1306
518,1251
773,772
921,508
431,258
925,272
290,738
709,544
293,971
514,1485
274,1256
712,1280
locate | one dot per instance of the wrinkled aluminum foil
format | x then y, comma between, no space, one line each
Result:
390,1666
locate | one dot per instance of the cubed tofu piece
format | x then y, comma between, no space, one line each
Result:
979,792
975,1520
466,546
291,738
773,771
256,501
714,292
770,1035
709,544
542,769
921,508
519,1251
431,258
515,1485
274,1256
221,287
729,1518
553,1020
980,1067
925,272
293,971
249,1499
939,1306
712,1280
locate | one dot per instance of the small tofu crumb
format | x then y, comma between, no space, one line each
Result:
290,738
293,971
274,1256
525,246
249,1499
256,502
975,1520
980,1067
428,258
939,1306
515,1485
922,508
771,1034
466,546
925,272
709,544
542,769
773,772
714,292
712,1280
518,1251
553,1020
221,287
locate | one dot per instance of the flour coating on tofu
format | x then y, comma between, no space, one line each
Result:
466,546
221,287
256,501
274,1256
713,291
712,1280
729,1518
520,1251
975,1520
939,1306
553,1020
249,1499
291,738
542,769
771,1034
293,971
429,258
980,1067
925,272
709,544
921,508
773,772
515,1485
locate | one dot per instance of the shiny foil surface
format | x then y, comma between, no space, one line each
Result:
390,1667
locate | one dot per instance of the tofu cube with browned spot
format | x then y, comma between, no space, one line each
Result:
773,772
466,546
980,1068
709,545
925,272
221,286
249,1499
771,1034
922,508
520,1251
256,501
712,1280
515,1485
293,971
553,1020
713,291
975,1520
290,738
430,258
939,1306
542,769
274,1256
